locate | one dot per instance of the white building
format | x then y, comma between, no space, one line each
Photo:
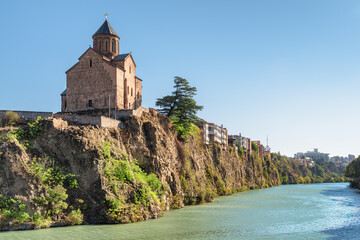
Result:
213,133
243,141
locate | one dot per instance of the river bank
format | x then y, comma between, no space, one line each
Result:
315,211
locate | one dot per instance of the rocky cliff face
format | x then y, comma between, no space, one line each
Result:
116,175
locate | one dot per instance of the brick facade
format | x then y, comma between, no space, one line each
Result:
102,79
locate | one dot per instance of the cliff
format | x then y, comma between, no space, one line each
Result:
53,173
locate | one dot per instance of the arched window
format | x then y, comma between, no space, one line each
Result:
129,69
106,45
90,63
113,45
138,95
128,90
131,92
100,45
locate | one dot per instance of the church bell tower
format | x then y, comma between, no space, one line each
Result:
106,41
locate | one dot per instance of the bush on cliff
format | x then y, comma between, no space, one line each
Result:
10,119
123,174
12,210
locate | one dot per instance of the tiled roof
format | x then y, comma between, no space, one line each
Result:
106,29
121,56
64,92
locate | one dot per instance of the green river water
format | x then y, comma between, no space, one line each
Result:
313,211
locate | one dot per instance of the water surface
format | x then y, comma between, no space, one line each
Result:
313,211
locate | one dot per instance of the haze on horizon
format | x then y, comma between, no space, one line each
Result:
286,69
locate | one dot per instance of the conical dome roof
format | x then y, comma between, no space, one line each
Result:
106,29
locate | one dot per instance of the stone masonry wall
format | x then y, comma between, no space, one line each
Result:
28,115
100,121
94,83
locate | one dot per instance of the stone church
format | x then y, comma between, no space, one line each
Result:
102,78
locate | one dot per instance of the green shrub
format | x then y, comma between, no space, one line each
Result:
10,119
41,222
13,210
32,130
76,217
120,172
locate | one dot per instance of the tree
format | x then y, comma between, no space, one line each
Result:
180,107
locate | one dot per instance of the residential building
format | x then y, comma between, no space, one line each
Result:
305,162
212,133
244,142
315,155
260,149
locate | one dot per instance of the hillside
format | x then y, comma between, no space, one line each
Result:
55,174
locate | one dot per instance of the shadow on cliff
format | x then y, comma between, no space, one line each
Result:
351,198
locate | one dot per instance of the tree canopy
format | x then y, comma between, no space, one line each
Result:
353,169
180,106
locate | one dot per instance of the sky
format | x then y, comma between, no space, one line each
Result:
284,69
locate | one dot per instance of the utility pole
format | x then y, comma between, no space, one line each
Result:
115,108
109,105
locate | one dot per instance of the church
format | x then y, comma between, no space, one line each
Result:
102,78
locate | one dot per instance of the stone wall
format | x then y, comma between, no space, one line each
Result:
100,121
28,115
95,83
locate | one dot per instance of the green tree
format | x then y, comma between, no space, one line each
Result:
180,107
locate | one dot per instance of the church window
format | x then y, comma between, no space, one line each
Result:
90,63
106,45
128,90
100,45
129,69
138,95
90,103
131,92
113,45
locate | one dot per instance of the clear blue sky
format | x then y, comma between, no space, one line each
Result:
289,69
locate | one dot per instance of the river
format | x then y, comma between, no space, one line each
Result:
312,211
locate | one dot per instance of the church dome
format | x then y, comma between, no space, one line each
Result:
106,29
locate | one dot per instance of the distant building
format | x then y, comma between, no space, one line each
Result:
351,157
267,149
245,143
260,149
212,133
342,160
299,155
306,162
232,142
315,155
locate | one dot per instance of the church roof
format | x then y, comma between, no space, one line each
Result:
121,56
63,93
106,29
